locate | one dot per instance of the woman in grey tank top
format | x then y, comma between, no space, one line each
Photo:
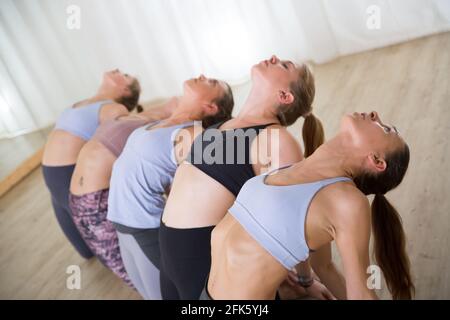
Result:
277,219
89,186
144,171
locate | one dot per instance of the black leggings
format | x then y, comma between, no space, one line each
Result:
185,261
57,180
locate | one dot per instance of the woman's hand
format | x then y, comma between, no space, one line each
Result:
317,290
288,291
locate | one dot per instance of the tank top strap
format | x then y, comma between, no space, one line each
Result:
217,125
93,104
150,124
102,102
326,182
187,124
263,126
258,127
276,169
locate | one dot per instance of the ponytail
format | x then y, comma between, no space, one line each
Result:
389,244
313,134
303,91
131,101
225,104
389,248
139,108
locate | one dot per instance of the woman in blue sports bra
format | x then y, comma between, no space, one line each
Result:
203,191
117,96
277,219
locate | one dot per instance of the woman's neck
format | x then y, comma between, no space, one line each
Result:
257,108
102,95
184,112
332,159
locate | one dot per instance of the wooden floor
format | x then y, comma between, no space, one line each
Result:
407,83
34,254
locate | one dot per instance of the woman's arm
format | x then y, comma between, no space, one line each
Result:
313,287
352,227
112,111
281,149
326,270
183,142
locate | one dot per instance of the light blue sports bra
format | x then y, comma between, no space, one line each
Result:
82,121
275,216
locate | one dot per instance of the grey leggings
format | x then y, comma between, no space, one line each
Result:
205,294
143,274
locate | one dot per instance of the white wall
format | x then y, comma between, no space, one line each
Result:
45,66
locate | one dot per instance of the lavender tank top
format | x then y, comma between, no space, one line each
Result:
114,134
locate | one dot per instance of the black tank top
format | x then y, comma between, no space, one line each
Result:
225,155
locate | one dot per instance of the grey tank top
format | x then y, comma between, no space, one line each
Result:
141,175
275,216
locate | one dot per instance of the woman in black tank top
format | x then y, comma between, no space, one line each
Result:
234,167
281,93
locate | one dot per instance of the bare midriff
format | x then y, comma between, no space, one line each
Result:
93,169
241,268
62,148
196,200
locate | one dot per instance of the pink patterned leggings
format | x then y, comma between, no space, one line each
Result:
89,214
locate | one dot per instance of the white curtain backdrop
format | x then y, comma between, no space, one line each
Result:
45,66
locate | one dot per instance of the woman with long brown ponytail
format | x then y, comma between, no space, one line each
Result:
278,219
203,191
389,244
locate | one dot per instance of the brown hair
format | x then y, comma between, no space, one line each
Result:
303,91
139,108
225,104
389,244
131,101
